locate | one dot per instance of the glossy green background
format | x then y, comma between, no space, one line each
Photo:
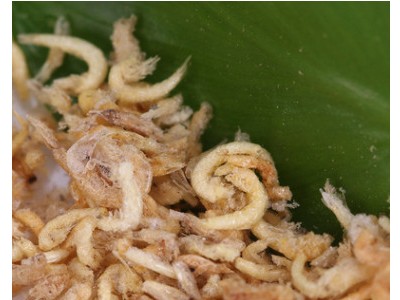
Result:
309,81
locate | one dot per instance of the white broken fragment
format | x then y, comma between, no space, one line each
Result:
93,56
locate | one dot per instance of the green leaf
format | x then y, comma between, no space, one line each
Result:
308,80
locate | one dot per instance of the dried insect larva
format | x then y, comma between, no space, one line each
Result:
93,162
20,72
150,261
47,137
140,92
204,266
93,56
55,57
201,177
81,291
211,188
130,214
54,96
255,252
81,237
331,200
384,222
267,273
197,126
22,135
55,231
52,285
290,243
56,256
27,247
333,282
130,121
118,277
186,280
30,219
226,250
154,217
161,291
164,107
124,43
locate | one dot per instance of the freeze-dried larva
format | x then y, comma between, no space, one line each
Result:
186,280
226,250
82,238
150,261
161,291
130,214
140,92
262,272
20,72
119,278
30,219
55,57
56,230
290,242
333,282
93,56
